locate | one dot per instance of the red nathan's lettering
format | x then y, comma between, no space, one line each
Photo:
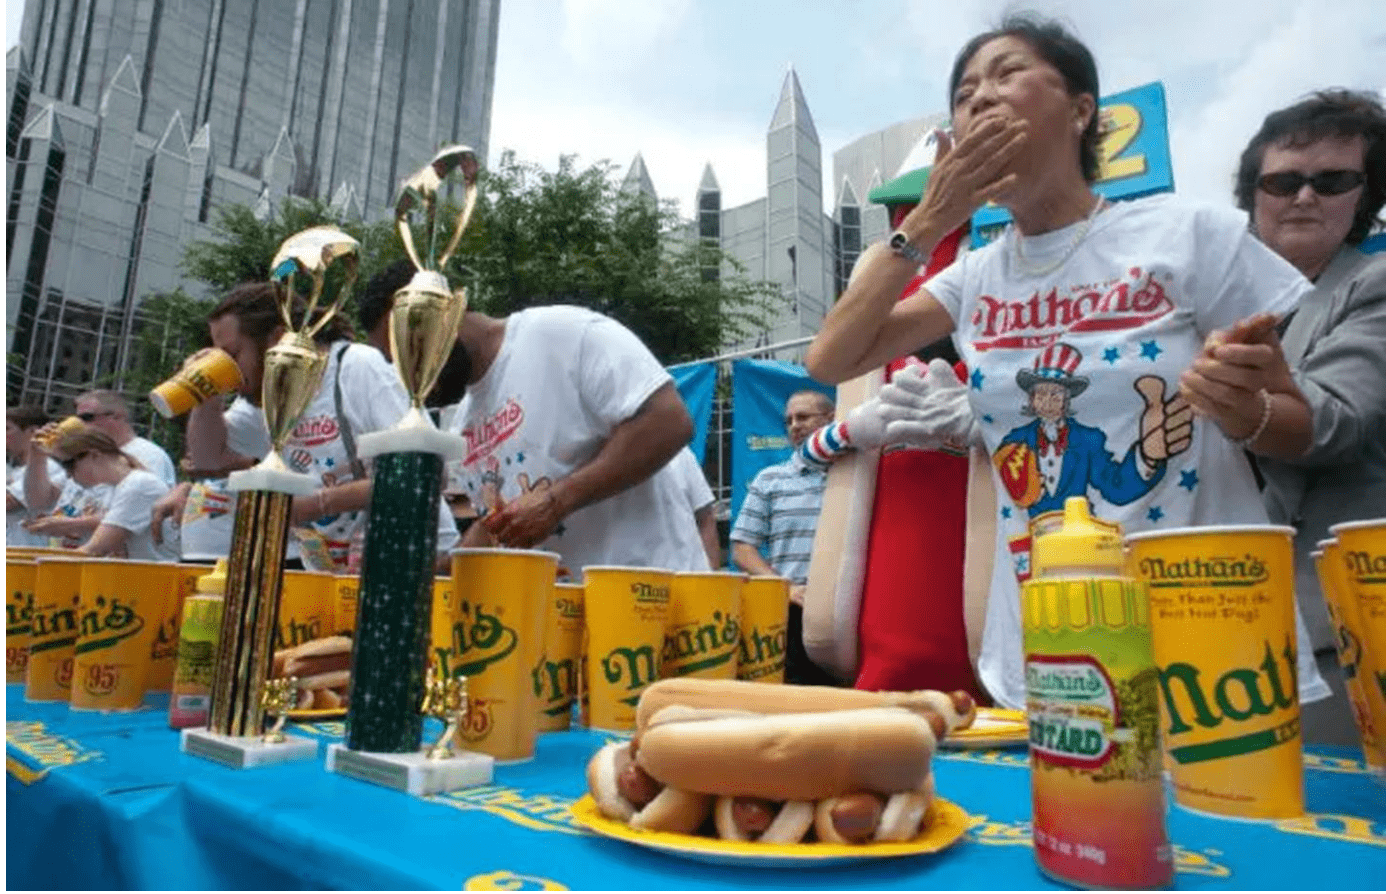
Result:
486,435
1040,320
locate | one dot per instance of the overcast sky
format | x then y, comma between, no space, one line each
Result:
687,82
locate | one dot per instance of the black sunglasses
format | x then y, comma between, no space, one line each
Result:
88,417
1325,183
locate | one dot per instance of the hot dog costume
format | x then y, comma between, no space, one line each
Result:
901,570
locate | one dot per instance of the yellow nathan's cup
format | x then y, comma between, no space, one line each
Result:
627,610
555,681
703,634
306,604
57,599
1364,558
346,594
163,649
68,425
123,605
500,598
440,644
1222,619
213,372
764,629
19,615
1343,612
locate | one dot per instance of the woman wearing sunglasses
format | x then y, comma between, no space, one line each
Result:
91,458
1075,324
1313,179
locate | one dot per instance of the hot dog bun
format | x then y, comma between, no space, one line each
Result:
791,822
670,810
314,656
905,813
770,698
793,757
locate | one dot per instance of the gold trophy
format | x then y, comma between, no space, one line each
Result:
255,569
445,699
277,698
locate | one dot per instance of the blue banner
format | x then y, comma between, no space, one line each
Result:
760,389
1133,157
696,383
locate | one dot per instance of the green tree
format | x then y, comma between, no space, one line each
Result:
571,236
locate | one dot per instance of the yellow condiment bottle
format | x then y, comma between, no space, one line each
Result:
197,651
1092,689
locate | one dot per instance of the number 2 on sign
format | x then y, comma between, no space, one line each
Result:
1120,125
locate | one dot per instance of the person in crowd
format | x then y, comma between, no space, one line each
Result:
91,457
780,514
203,508
1075,324
701,501
20,425
360,393
1313,179
58,507
570,423
108,412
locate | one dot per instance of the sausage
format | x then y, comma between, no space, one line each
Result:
634,784
753,815
856,816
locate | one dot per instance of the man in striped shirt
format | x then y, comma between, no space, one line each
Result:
780,512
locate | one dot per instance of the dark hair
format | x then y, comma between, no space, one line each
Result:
379,294
1052,42
27,416
256,308
1327,113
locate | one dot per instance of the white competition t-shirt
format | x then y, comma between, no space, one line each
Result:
15,532
131,502
209,513
563,379
692,479
1065,366
373,398
153,457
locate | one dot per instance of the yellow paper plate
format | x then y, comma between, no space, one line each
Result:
947,822
993,728
317,713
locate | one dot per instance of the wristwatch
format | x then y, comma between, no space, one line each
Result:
901,245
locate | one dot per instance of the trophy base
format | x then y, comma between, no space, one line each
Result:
244,752
413,439
276,480
414,773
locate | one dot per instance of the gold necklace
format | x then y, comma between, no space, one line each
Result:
1025,267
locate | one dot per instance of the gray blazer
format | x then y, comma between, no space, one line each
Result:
1336,345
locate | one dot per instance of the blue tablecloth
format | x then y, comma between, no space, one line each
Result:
108,801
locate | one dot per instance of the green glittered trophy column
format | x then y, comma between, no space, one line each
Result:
241,694
384,726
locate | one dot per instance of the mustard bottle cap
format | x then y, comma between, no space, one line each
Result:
1081,543
214,582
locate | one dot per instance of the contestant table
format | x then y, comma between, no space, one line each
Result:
108,801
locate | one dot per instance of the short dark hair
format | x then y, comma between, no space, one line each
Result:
379,294
256,308
27,416
1327,113
1059,48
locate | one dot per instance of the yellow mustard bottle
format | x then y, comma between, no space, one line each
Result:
197,651
1092,688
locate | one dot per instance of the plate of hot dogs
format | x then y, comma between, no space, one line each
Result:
322,668
992,728
758,774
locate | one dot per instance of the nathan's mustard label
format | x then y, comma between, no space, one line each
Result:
307,603
1222,615
57,602
764,629
19,616
627,611
197,658
181,580
123,606
1364,560
494,637
1098,793
555,681
703,634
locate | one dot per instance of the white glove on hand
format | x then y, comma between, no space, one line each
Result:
866,425
928,409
